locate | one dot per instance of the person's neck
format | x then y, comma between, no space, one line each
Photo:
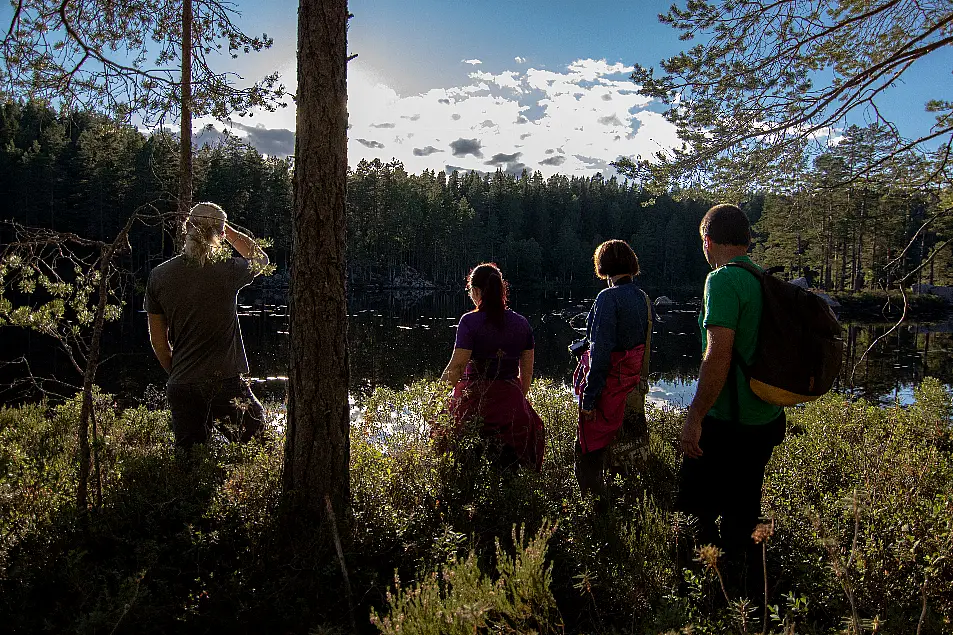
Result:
614,279
723,254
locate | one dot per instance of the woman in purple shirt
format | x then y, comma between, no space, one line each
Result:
491,371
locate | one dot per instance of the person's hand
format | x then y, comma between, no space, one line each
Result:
587,414
691,434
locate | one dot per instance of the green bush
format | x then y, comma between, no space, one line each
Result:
861,496
863,500
459,598
423,507
174,542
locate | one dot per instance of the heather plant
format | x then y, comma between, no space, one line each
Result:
178,539
428,494
860,498
459,598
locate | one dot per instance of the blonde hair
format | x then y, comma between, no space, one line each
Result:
203,230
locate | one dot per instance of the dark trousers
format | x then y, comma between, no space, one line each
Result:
590,471
726,482
227,404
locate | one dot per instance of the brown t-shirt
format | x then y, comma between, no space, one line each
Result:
200,306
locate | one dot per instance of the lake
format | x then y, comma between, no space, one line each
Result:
397,337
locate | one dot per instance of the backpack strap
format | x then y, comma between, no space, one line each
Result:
747,266
736,361
759,274
647,353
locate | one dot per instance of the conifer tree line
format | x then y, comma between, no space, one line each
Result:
852,226
85,174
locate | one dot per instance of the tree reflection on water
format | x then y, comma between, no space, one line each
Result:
398,337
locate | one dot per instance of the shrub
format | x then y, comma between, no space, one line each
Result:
419,507
864,505
458,598
862,498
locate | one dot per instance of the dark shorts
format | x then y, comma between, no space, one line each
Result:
227,404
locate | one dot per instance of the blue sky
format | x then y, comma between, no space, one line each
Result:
544,85
481,85
484,84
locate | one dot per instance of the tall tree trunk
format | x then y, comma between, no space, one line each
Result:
860,280
842,282
317,446
829,246
932,262
185,125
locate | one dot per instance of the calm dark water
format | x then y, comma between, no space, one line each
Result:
398,337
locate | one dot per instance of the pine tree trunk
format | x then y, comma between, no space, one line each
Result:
829,247
317,446
860,280
185,126
842,282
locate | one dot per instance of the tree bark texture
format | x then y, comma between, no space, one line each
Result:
185,126
317,447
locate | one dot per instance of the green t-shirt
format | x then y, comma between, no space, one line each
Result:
733,300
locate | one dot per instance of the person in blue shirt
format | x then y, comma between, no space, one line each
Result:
612,367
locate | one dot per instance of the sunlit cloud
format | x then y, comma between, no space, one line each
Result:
589,110
572,120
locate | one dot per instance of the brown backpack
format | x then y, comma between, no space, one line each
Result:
800,344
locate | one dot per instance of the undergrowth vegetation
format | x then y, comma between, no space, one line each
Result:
445,541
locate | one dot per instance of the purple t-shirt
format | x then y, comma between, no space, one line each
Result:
496,352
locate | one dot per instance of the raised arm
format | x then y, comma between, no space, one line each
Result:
159,337
458,363
246,246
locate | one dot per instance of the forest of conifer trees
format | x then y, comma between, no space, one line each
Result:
82,173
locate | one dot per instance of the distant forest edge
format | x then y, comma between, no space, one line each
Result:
82,173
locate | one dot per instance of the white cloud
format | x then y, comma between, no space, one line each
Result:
589,110
587,113
473,62
506,79
519,60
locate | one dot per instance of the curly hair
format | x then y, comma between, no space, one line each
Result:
204,229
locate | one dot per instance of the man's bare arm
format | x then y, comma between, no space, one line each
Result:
246,246
711,379
159,337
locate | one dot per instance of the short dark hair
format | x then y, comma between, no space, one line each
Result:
726,224
614,258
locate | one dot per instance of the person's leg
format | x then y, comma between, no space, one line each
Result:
742,512
590,471
189,415
241,414
702,487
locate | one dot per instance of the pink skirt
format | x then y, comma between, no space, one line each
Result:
506,415
623,377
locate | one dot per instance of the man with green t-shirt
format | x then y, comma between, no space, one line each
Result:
729,433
